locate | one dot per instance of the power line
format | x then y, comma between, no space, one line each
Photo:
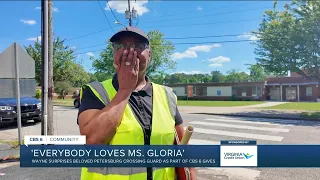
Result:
69,39
198,24
200,37
167,15
113,12
151,26
105,15
216,42
231,12
201,24
194,37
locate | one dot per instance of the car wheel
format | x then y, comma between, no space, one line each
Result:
76,104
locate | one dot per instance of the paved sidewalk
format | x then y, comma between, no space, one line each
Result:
7,150
267,104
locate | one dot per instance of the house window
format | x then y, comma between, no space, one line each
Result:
259,91
244,92
309,91
218,92
201,91
254,91
234,91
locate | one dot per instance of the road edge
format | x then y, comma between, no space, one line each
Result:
261,116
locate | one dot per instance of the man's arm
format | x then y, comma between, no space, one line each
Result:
99,126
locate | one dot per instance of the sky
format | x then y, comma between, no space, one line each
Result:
85,24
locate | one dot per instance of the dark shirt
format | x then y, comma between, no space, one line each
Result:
140,103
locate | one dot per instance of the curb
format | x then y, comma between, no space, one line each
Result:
10,160
263,116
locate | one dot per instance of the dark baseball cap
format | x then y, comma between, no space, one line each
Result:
130,31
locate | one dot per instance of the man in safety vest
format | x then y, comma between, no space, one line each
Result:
129,109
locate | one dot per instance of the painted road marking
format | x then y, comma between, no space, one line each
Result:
233,120
240,126
203,142
237,134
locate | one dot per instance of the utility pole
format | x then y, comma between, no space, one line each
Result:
44,49
50,71
129,15
130,20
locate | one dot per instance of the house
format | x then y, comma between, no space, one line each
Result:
290,88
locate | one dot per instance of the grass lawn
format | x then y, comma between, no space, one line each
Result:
65,102
303,106
217,103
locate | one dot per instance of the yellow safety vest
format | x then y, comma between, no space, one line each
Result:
130,132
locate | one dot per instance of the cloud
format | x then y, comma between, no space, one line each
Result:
219,59
191,72
204,48
54,9
73,47
186,54
191,52
90,54
34,38
29,22
122,6
215,65
199,8
249,36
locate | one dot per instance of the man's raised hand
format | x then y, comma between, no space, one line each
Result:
128,71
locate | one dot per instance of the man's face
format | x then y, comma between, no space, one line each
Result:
143,53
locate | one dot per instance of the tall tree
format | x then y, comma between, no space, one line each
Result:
256,73
236,76
217,76
65,68
160,57
290,39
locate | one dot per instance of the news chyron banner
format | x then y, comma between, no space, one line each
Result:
71,151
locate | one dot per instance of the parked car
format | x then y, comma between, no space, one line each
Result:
76,102
30,109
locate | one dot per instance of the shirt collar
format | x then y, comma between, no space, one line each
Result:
147,88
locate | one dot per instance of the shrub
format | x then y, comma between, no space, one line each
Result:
62,88
38,93
234,98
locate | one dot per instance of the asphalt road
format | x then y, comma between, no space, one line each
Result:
208,130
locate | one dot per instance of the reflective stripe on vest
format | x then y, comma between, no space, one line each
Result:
130,132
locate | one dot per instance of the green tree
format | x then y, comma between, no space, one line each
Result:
160,58
290,39
161,53
236,76
65,68
62,87
103,65
217,76
256,73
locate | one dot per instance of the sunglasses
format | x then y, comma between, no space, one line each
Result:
137,46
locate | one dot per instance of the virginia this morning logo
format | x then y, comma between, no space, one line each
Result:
237,155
